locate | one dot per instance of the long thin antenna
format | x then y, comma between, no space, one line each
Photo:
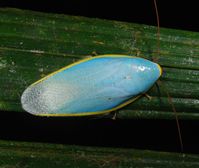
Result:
168,95
158,26
177,121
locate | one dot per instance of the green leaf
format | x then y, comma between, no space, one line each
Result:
31,155
34,44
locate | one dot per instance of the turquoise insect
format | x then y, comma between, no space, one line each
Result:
92,86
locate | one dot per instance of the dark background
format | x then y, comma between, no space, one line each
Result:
173,13
140,134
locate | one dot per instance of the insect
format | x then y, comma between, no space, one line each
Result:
96,85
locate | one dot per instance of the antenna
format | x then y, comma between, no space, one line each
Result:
158,26
168,95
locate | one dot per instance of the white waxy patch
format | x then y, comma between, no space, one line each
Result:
47,99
